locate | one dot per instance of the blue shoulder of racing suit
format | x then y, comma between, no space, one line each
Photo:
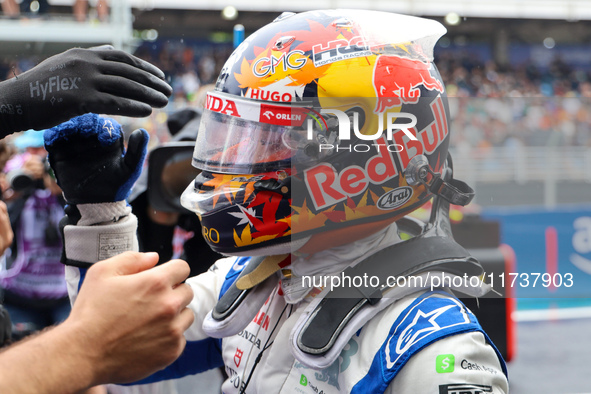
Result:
198,356
428,319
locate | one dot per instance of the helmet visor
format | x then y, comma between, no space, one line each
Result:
239,136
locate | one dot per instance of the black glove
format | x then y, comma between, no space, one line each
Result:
100,80
89,160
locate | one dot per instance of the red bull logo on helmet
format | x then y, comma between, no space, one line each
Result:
326,186
397,80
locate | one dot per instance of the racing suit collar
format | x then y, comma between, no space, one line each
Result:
331,261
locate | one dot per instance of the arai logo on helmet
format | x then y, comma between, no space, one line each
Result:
395,198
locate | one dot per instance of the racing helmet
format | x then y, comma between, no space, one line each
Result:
308,138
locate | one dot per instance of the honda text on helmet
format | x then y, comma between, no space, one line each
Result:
306,139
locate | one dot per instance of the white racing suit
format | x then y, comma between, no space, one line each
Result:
425,342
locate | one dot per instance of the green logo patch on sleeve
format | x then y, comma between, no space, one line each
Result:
445,363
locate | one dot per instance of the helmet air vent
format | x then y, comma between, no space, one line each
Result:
284,42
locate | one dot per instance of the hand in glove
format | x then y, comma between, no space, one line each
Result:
79,81
89,160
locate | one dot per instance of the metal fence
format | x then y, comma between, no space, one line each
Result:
522,167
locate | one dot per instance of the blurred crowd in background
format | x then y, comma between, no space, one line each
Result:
491,105
518,104
14,9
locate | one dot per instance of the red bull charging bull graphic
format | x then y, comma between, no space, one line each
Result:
397,81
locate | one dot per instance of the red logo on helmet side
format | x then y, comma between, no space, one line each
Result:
397,80
282,115
218,104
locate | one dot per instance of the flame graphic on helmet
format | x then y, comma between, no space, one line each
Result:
266,226
258,211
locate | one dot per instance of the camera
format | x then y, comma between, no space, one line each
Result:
21,180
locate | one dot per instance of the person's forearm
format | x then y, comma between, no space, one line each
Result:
48,363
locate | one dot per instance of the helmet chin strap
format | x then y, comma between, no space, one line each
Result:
452,190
